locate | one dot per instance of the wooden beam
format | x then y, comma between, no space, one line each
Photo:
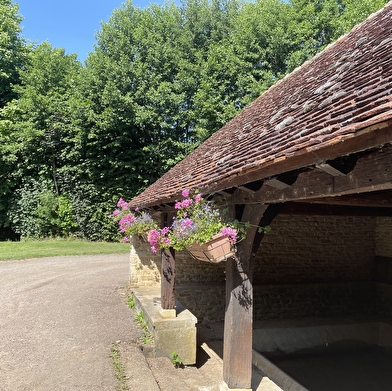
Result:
374,200
310,209
373,172
237,346
167,280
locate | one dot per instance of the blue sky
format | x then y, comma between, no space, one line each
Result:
70,24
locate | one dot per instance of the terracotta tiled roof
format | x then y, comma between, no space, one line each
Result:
329,100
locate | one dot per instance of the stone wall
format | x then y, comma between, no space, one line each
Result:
384,294
306,266
287,301
206,302
190,271
316,249
200,287
324,300
144,266
384,249
384,236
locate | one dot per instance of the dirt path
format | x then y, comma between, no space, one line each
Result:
58,319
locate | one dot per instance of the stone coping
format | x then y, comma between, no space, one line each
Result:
149,300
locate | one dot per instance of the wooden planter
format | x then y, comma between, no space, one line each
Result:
218,249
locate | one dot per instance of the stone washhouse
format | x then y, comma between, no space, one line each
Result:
311,158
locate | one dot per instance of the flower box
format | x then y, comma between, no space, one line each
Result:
216,250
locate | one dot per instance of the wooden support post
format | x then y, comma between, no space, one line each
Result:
167,280
238,331
237,345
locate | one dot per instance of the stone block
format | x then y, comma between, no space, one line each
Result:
171,334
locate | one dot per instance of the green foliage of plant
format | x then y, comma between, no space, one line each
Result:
131,301
37,212
57,212
176,360
139,317
146,338
23,210
91,214
118,366
13,49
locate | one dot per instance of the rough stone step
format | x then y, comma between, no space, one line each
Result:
137,374
189,378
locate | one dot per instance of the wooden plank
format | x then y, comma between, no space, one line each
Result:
167,280
237,346
245,189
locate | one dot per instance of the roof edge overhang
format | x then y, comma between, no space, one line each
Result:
375,135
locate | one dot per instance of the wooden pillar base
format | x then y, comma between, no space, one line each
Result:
237,345
237,350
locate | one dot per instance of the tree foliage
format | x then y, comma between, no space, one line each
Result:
74,138
13,49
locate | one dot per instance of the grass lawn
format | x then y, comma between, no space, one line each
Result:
53,247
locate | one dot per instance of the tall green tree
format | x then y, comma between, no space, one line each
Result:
313,24
13,56
137,97
36,129
13,49
37,123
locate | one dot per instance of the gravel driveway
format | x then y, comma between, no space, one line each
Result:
58,319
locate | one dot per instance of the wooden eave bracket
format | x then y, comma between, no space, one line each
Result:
252,187
277,184
340,166
329,169
247,190
283,181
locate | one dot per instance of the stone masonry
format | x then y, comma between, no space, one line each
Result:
145,267
306,266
